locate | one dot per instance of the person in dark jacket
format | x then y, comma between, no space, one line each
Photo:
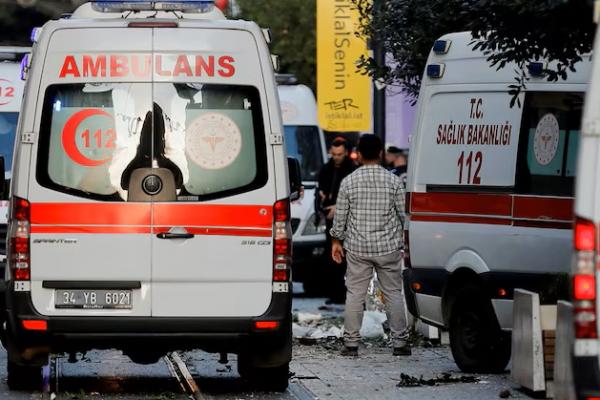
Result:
330,177
397,163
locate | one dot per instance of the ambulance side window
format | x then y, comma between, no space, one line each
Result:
548,143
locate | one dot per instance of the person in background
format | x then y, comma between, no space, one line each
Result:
367,231
330,178
396,160
397,163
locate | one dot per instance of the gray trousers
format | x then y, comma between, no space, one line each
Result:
358,278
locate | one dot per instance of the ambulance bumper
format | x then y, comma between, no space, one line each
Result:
66,333
586,377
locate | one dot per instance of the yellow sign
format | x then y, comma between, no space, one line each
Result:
344,94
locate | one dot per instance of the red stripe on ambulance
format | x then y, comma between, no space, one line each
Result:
91,214
461,203
202,219
213,215
495,209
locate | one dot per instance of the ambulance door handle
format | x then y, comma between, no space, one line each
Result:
172,235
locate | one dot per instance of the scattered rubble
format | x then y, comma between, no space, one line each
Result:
443,379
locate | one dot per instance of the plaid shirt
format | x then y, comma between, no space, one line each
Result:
369,212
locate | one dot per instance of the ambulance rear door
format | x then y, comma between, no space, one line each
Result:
212,252
90,241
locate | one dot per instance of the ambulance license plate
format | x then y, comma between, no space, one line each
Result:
93,299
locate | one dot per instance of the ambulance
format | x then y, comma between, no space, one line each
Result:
489,196
586,346
304,140
150,199
11,93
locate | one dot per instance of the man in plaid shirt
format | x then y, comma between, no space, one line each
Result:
367,227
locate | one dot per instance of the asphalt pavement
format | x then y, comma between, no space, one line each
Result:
318,371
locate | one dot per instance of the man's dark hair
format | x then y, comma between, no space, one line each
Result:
339,141
394,150
370,147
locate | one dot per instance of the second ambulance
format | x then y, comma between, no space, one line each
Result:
490,196
150,192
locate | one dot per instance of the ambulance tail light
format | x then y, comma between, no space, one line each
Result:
19,244
282,249
584,279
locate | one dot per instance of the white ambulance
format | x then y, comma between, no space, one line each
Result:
11,93
586,350
150,193
304,140
490,196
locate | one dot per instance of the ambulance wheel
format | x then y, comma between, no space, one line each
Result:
23,377
274,379
476,340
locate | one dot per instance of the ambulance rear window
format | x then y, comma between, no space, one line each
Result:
548,143
93,135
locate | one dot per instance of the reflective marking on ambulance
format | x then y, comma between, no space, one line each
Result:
198,219
146,66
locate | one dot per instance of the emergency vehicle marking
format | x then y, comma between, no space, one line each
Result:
546,137
89,229
204,215
475,133
213,141
102,139
144,65
201,219
475,138
516,210
7,92
111,214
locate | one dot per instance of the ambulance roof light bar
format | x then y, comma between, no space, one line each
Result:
148,5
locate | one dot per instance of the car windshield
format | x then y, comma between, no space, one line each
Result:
8,126
304,144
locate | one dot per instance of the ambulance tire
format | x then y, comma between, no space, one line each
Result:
23,377
476,340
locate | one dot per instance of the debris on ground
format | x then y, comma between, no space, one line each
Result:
443,379
304,318
316,332
372,326
505,394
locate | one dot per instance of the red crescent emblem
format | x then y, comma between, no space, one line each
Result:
69,134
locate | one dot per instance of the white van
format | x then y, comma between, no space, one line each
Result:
11,94
304,140
586,350
490,196
150,193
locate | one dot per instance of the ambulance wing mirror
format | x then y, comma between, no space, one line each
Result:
295,178
3,186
